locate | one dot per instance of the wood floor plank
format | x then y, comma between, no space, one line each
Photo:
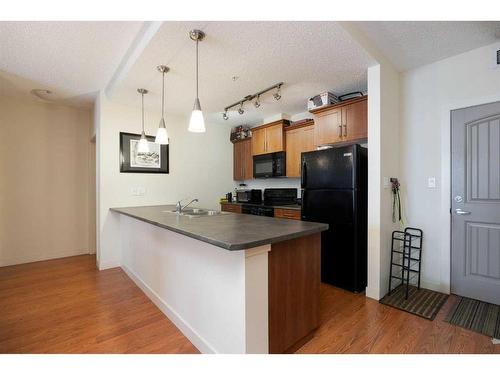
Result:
68,306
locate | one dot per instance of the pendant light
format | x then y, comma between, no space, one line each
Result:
143,146
197,122
161,133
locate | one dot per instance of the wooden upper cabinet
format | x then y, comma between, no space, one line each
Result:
298,140
328,126
342,122
242,160
275,138
355,120
269,138
259,141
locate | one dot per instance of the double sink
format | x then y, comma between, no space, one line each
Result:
195,212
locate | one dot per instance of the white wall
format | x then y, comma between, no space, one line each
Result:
383,162
428,94
200,167
44,181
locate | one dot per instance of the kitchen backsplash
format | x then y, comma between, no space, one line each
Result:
264,183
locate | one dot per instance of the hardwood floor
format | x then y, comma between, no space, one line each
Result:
67,306
352,323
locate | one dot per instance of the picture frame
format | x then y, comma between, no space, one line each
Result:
156,161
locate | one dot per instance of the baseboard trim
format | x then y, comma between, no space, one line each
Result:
196,339
104,265
32,259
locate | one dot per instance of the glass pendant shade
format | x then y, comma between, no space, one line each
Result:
161,133
143,146
197,122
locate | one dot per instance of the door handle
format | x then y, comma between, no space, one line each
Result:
459,211
340,131
345,130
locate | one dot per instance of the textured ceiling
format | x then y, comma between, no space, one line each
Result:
73,59
412,44
309,57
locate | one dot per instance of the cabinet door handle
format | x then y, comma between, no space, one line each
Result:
340,131
345,130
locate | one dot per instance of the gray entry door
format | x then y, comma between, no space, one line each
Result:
475,202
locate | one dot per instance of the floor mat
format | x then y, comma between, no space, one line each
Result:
476,316
421,302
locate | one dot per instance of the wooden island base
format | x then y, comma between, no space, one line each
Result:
294,292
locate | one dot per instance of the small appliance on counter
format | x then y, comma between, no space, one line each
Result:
249,196
269,165
280,196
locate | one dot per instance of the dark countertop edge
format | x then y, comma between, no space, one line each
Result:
223,245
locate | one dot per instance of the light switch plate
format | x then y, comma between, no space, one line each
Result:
387,182
431,182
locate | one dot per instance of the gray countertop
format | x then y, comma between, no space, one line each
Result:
228,230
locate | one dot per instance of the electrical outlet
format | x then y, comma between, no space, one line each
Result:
387,182
431,182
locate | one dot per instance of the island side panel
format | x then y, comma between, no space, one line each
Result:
200,287
294,292
256,299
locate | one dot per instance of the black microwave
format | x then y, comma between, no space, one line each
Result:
269,165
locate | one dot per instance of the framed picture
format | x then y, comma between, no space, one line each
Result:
131,161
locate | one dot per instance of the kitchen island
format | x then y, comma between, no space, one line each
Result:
232,283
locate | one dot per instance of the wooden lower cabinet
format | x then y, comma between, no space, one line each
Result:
231,207
294,291
284,213
298,140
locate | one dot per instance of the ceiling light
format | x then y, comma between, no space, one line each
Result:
161,133
42,94
241,110
143,146
225,116
197,123
257,102
277,95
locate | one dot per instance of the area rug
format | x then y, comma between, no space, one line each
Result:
421,302
476,316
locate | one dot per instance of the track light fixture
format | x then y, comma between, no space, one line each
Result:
257,102
277,95
142,146
255,96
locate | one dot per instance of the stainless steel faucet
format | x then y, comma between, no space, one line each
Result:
179,207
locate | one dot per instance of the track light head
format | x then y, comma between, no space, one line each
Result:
277,95
225,116
241,110
257,102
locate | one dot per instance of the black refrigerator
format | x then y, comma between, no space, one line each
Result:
334,183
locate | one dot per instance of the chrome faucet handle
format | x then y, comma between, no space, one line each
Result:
178,207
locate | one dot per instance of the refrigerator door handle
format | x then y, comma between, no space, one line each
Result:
303,175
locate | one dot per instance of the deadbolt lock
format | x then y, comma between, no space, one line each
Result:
459,199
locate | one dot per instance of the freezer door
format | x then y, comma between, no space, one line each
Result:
331,168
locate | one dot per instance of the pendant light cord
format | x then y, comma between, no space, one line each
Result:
196,68
162,94
142,98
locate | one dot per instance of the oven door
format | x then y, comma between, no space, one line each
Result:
269,165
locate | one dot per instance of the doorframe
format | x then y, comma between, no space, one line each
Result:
445,213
